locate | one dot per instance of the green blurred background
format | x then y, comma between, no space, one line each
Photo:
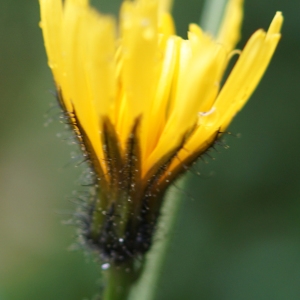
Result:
238,232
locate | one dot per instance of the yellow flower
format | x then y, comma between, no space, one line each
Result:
145,103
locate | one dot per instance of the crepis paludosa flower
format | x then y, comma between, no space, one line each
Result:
145,103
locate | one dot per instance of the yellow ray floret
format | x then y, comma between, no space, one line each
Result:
140,70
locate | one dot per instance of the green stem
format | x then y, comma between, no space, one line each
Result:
118,282
211,16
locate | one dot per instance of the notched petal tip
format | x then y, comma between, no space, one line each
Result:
276,23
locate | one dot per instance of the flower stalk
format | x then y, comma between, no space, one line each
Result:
118,282
212,15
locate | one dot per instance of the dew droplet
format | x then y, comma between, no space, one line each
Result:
105,266
121,240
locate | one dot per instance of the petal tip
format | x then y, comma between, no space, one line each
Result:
276,23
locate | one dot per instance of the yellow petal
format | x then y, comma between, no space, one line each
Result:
240,84
165,5
197,86
77,20
142,71
100,64
166,24
51,22
139,45
230,28
200,41
162,96
248,71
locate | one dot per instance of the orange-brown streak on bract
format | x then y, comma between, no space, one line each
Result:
132,172
177,168
101,185
115,166
92,156
112,152
151,182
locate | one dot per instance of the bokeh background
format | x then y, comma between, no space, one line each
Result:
238,231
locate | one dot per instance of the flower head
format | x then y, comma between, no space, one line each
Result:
145,103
